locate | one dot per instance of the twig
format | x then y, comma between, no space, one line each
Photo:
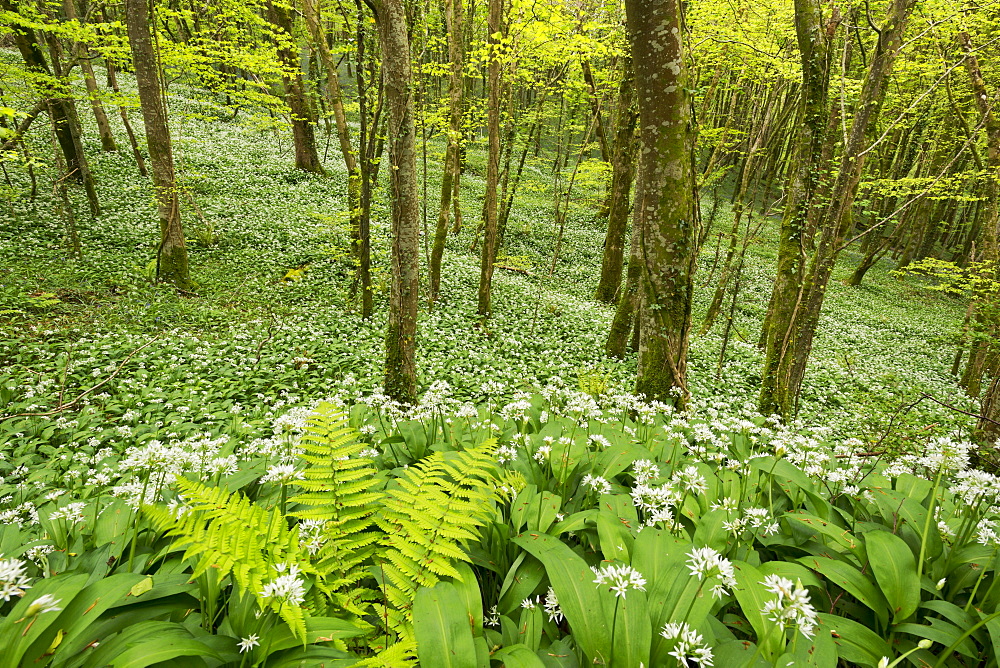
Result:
271,330
61,407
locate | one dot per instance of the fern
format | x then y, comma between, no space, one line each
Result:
235,536
342,489
430,513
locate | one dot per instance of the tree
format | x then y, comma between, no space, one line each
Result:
401,335
54,86
494,32
93,92
171,255
791,332
622,175
306,156
454,17
665,212
800,210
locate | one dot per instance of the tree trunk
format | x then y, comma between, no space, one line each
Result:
303,118
972,376
171,256
667,218
494,29
401,336
93,92
628,296
814,44
789,347
27,44
113,82
454,16
622,176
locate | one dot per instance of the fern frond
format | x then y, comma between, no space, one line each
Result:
235,536
429,514
342,489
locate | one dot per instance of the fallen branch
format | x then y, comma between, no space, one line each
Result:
61,407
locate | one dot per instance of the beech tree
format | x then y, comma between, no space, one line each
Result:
792,325
171,254
401,335
665,214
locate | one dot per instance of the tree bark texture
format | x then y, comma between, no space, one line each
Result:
622,176
493,28
793,328
666,217
814,44
401,336
93,92
303,118
171,256
454,17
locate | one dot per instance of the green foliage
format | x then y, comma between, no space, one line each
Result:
431,512
229,534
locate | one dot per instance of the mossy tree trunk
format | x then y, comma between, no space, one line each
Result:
401,335
454,17
494,28
666,217
814,43
303,118
622,176
171,256
790,341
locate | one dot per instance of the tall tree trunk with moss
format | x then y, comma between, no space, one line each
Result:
303,118
622,176
814,53
667,218
628,297
986,430
171,256
401,336
454,17
790,342
494,28
93,92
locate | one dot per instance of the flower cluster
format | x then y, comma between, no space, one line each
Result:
689,645
619,578
792,605
13,581
705,563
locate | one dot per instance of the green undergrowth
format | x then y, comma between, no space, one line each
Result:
142,432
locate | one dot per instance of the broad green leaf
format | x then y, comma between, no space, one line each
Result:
821,527
88,607
855,642
560,654
942,632
522,579
738,654
23,636
518,656
442,629
752,596
895,571
633,633
573,582
614,536
468,591
852,580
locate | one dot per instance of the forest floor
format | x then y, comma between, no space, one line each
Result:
146,436
272,312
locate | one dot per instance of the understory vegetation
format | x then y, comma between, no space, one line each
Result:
215,478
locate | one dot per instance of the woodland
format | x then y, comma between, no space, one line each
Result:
524,333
